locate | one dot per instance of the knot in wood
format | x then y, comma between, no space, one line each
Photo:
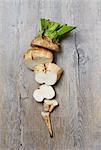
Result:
79,57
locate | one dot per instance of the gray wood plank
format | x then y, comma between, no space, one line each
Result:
77,121
9,94
89,48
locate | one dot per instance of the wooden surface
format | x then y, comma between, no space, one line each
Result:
77,121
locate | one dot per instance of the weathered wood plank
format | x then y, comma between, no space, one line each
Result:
77,121
9,94
89,48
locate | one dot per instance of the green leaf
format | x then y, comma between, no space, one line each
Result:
40,34
65,29
53,29
41,24
53,35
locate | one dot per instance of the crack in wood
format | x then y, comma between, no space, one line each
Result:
21,145
80,131
78,58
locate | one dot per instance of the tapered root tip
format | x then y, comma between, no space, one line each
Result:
51,135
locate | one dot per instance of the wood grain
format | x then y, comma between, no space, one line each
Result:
77,120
